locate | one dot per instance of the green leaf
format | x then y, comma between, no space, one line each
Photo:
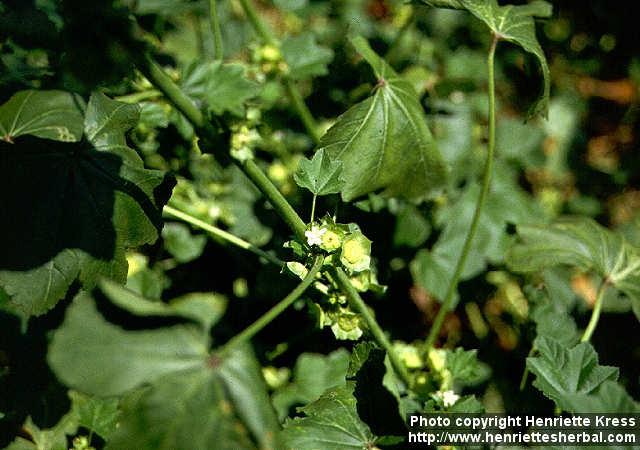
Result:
215,406
465,367
579,242
331,423
321,175
184,410
244,384
54,438
99,415
97,357
55,115
610,397
412,229
305,57
200,307
562,373
514,24
312,375
384,142
222,87
182,245
87,203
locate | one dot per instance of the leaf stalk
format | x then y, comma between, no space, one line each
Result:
222,234
486,183
595,314
274,312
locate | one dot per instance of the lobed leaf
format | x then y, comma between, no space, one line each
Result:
221,87
321,175
384,142
312,375
87,202
330,423
97,357
513,23
583,243
563,374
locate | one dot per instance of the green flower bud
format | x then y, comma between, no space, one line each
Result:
331,241
356,252
270,53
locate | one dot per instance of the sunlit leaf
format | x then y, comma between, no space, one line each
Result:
320,175
384,142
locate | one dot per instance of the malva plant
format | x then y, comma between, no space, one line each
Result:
108,194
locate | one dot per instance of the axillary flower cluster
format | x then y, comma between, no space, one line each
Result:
345,246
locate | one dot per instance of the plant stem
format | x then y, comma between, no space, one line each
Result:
525,372
295,97
136,97
215,30
313,207
358,304
595,314
215,231
486,182
161,80
301,108
274,312
261,28
280,204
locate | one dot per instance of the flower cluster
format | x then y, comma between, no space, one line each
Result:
270,60
345,246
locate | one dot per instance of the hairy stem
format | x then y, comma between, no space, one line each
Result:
222,234
595,314
358,304
215,30
486,182
274,312
293,92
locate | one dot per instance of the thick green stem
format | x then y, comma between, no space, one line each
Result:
486,182
358,304
595,314
215,30
215,231
293,92
274,312
277,200
161,80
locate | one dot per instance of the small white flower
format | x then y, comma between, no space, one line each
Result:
449,398
314,235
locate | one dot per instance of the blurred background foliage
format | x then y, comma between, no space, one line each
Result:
582,160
